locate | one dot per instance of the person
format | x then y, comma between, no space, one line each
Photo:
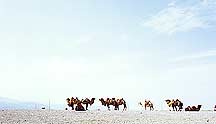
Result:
215,108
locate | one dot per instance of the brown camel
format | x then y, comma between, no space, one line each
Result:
114,102
121,102
193,108
79,106
74,101
105,102
174,104
71,102
149,104
88,101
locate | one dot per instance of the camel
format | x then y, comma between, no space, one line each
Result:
111,102
174,104
179,104
79,106
88,101
108,102
105,102
121,102
114,102
73,101
149,104
193,108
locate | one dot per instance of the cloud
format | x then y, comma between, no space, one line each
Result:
184,16
200,55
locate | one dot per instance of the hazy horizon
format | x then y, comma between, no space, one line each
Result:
53,49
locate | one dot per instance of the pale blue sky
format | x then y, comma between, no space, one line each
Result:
53,49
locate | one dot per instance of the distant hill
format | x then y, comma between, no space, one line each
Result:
7,103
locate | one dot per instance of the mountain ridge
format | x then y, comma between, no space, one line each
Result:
9,103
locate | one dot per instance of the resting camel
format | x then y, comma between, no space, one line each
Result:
193,108
174,104
149,104
75,101
79,106
88,101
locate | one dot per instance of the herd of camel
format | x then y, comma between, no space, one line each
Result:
77,104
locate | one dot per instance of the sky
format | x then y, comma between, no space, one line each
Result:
156,50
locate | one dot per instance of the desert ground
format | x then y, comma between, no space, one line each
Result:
105,117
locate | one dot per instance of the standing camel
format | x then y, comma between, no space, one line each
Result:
106,102
88,101
149,104
174,104
121,102
215,108
71,102
114,102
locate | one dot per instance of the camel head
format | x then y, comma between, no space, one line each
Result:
102,101
168,101
199,106
140,103
92,101
68,100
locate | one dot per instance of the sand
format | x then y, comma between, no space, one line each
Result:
105,117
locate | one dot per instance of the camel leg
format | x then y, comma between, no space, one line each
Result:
125,107
87,106
116,107
108,107
173,108
72,106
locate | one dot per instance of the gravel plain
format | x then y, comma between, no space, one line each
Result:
105,117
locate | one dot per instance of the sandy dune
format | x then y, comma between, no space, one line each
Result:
105,117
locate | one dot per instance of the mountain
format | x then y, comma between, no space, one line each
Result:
7,103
